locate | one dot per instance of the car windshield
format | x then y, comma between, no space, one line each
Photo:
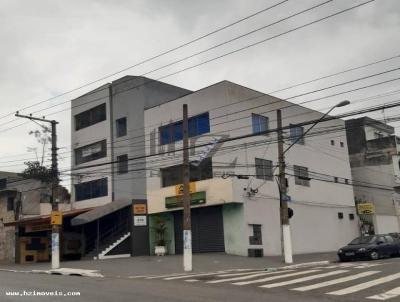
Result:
363,240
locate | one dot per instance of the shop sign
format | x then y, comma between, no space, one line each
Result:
366,208
139,209
179,188
140,220
177,201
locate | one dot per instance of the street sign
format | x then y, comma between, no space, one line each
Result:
139,209
56,218
179,188
366,208
140,220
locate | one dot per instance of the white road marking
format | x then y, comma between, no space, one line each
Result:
336,281
191,275
361,286
245,277
241,274
387,295
191,280
182,274
303,279
276,277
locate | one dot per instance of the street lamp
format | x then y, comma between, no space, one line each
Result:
286,234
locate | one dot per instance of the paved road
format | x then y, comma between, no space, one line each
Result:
358,281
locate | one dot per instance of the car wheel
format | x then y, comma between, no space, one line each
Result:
374,255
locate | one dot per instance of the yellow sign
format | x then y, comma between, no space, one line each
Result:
56,218
366,208
179,188
139,209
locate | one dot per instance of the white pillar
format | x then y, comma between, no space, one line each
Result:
55,250
187,250
287,244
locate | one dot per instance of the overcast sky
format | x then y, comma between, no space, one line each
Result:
49,47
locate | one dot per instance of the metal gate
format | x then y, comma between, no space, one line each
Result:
207,230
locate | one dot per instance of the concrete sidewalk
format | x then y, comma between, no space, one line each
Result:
152,265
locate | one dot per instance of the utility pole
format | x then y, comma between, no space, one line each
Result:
286,236
55,230
187,226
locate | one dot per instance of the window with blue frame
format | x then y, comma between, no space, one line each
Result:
173,132
259,122
296,134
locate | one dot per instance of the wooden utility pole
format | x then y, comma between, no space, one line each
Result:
187,226
55,234
285,236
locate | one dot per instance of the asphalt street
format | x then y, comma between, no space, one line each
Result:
356,281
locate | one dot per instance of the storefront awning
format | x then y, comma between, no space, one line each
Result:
45,218
100,212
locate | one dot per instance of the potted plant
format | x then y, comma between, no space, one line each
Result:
160,230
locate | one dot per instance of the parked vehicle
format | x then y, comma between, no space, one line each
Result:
370,247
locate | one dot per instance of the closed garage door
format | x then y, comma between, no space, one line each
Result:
207,230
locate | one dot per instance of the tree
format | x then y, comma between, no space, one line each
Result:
43,137
35,170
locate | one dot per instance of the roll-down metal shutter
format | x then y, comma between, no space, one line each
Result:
207,230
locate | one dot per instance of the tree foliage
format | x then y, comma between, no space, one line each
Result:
35,170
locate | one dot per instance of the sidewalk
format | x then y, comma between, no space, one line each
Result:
152,265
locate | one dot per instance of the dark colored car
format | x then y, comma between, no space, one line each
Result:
370,247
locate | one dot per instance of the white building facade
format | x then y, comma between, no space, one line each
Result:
240,215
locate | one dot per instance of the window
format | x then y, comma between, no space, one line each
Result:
256,239
90,117
91,189
263,169
296,133
121,127
346,181
332,142
301,176
91,152
259,122
340,215
198,125
389,239
122,164
3,183
351,216
10,204
172,176
336,179
342,144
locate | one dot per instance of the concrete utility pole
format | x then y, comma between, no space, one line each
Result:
286,235
187,226
55,234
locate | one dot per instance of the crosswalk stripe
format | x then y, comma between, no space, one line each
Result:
303,279
387,295
241,274
245,277
336,281
276,277
361,286
191,275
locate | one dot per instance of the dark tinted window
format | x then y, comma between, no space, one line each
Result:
10,204
259,123
256,239
121,127
364,240
3,183
122,164
172,176
173,132
90,117
91,152
91,189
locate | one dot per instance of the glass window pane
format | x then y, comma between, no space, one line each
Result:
164,135
203,124
178,131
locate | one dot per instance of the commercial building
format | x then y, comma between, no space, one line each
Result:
375,168
233,214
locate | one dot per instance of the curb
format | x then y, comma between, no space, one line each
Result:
62,272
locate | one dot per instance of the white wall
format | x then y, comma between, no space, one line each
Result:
230,107
386,224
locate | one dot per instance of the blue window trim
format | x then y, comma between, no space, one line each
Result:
198,125
259,123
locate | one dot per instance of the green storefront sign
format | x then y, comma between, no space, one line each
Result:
177,201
